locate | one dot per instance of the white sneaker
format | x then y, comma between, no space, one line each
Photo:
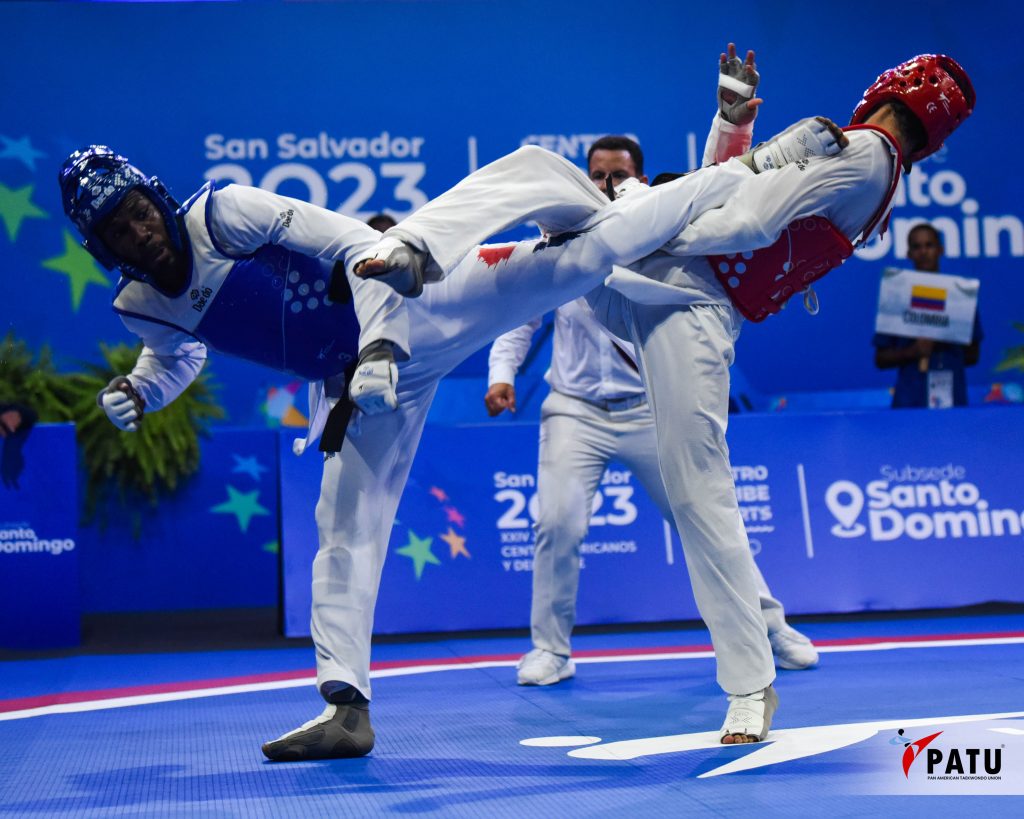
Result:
750,714
541,667
793,650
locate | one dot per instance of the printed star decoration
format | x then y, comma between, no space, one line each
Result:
280,407
20,149
456,543
243,505
418,551
16,206
80,268
440,494
248,466
455,516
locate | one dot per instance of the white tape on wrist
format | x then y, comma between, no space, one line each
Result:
743,89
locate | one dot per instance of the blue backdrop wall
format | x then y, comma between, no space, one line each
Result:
364,107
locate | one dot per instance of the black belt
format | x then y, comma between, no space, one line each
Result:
333,435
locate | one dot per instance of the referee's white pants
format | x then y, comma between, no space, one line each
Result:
577,441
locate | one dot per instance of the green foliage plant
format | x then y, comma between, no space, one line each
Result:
31,379
1014,358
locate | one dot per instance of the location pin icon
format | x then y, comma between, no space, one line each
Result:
845,500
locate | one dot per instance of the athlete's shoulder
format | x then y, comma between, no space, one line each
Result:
233,194
869,144
128,290
191,202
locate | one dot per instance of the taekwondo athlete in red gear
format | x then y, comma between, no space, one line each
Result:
597,411
683,322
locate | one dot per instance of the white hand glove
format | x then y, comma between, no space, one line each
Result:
373,387
122,404
737,84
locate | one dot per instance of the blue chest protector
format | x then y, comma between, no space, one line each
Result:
273,309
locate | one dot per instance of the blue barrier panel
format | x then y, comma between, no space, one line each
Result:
39,589
212,545
884,510
845,512
461,550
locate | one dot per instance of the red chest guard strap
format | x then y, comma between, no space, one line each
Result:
759,282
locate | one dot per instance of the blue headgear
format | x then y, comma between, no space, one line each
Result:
93,182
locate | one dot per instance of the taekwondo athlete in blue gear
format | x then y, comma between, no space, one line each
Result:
251,274
236,269
119,213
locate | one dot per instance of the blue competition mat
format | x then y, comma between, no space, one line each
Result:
452,741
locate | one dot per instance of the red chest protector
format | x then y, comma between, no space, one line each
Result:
761,281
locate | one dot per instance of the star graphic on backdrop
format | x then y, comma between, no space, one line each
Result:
456,543
20,149
455,516
418,551
273,547
440,494
16,206
243,505
280,407
80,268
248,466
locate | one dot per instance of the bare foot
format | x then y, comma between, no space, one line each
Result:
368,268
738,739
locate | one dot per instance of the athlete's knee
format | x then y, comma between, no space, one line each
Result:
561,529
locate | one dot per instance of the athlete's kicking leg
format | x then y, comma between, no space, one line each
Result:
534,184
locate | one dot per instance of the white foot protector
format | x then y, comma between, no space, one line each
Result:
403,266
750,714
809,138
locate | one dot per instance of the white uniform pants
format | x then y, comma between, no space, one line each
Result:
479,301
577,440
684,355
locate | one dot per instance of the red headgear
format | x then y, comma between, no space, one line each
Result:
934,87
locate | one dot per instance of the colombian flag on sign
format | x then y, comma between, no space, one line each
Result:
927,298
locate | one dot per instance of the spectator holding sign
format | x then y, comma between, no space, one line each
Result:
930,373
